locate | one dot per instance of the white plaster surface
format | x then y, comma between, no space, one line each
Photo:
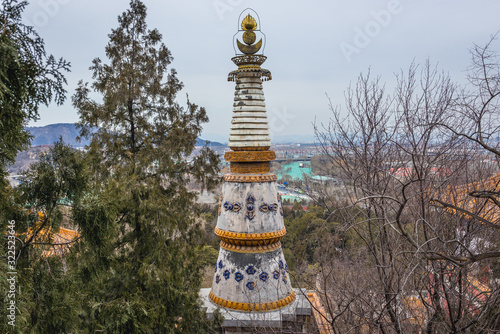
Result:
249,127
300,306
263,222
251,288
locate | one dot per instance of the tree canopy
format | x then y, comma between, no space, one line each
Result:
140,236
28,78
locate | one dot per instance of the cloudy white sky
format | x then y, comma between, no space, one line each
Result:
313,48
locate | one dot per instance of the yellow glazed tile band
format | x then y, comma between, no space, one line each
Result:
250,178
250,239
249,156
249,307
250,167
250,249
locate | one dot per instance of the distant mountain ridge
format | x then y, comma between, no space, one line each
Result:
48,134
202,142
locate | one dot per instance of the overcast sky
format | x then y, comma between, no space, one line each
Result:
313,48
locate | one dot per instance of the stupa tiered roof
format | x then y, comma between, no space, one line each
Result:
251,274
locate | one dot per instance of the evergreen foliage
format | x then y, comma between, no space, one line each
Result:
140,254
46,301
28,77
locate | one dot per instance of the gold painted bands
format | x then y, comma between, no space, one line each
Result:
249,307
250,239
249,156
248,67
250,167
250,178
250,249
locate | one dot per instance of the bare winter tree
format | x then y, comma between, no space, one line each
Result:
423,203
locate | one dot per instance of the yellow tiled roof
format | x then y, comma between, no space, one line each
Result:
52,242
470,206
319,313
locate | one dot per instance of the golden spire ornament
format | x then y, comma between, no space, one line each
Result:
251,274
251,285
248,24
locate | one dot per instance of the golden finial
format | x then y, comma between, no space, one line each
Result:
249,23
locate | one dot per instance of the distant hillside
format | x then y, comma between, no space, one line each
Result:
26,158
47,135
202,142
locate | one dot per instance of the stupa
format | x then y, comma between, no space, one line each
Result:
251,280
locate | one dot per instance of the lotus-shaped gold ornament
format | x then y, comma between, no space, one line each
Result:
248,23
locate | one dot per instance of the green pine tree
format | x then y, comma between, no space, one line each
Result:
140,256
28,77
45,300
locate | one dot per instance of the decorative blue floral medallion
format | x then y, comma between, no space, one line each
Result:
221,264
271,207
250,207
235,207
226,274
250,199
276,274
264,207
251,270
238,276
251,285
250,215
281,264
217,279
263,276
284,279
